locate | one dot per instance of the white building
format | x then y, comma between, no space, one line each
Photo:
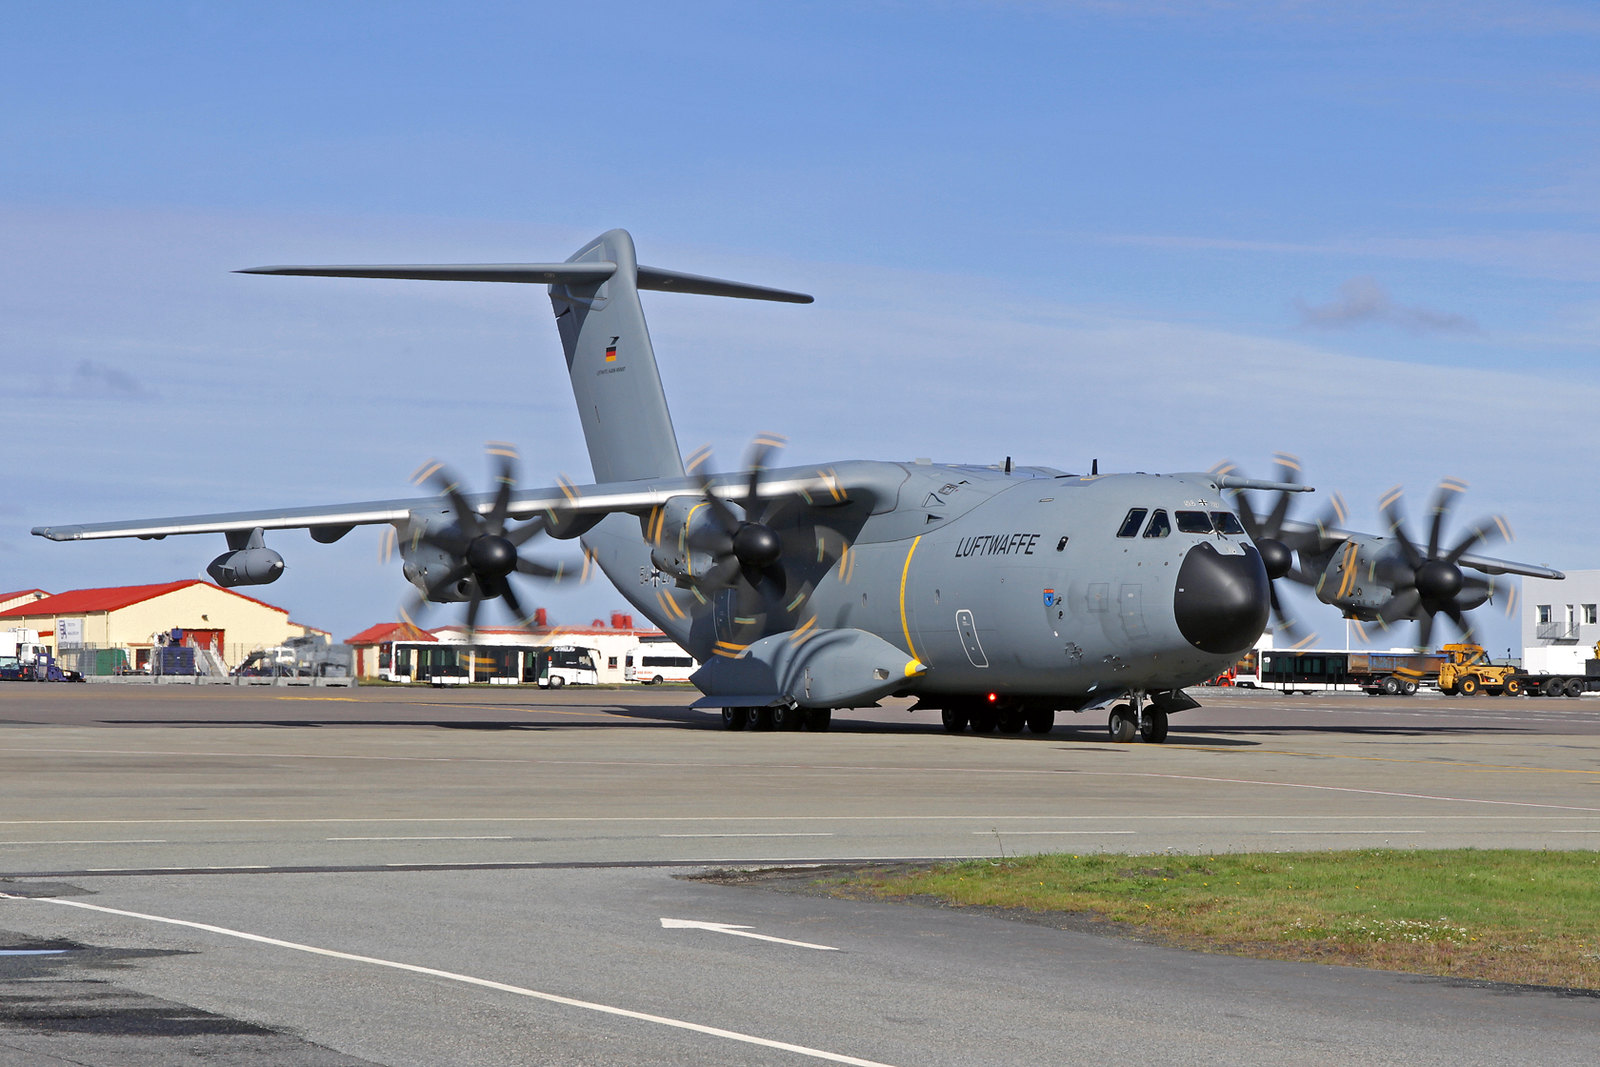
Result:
1560,622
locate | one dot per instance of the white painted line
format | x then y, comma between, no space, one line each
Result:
184,867
748,835
737,931
134,841
500,837
1575,831
32,951
1386,833
484,983
1052,833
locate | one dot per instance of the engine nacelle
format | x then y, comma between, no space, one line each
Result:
246,566
670,528
425,565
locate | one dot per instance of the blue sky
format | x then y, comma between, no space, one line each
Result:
1157,234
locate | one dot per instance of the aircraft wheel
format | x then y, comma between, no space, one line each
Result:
1574,687
1123,728
735,718
984,722
760,718
1011,722
1154,727
819,719
1041,722
1468,686
954,720
785,718
1512,688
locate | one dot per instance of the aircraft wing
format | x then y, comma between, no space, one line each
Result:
1485,564
329,522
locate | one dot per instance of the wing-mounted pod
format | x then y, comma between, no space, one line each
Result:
248,561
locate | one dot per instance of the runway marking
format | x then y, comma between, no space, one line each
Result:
738,931
496,837
1344,789
584,819
811,833
1385,833
186,867
465,979
32,951
1449,765
1051,833
134,841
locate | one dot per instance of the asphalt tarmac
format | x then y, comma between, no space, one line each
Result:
402,876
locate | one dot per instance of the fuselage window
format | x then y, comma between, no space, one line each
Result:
1130,525
1227,522
1160,525
1193,522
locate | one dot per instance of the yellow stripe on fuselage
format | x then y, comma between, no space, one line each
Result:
905,572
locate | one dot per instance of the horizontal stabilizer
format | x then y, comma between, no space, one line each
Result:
590,273
527,273
672,281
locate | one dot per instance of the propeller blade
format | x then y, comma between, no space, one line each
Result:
507,479
1444,500
510,597
1389,506
531,528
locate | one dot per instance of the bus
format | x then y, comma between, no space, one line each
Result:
561,665
1396,672
658,662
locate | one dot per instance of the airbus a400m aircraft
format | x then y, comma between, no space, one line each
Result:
998,595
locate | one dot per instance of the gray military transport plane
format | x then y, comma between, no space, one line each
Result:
999,595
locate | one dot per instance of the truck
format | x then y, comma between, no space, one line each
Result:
1555,671
24,659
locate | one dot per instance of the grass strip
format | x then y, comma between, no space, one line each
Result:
1519,916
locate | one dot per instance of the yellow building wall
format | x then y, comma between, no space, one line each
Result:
247,625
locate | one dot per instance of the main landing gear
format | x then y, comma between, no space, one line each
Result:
1133,718
817,720
1005,718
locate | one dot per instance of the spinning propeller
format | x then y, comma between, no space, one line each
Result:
1428,580
1279,545
483,550
770,552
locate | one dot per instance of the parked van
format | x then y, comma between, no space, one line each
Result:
658,662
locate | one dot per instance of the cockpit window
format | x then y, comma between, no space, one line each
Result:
1227,522
1130,525
1193,522
1160,525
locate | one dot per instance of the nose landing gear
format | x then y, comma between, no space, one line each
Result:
1137,718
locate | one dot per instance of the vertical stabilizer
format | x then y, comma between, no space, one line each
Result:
614,376
613,368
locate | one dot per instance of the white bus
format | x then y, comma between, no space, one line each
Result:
658,662
561,665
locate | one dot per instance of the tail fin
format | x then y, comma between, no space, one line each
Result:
615,380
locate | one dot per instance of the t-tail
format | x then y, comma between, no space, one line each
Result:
615,380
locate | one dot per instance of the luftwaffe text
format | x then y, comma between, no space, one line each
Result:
1017,544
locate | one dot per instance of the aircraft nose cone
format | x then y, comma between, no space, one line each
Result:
1222,602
